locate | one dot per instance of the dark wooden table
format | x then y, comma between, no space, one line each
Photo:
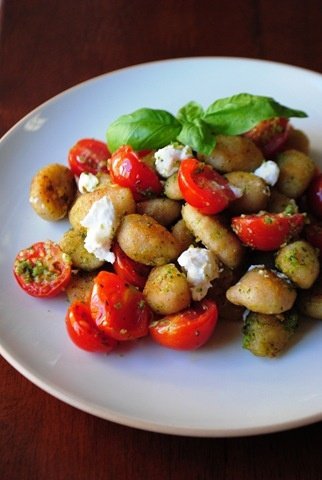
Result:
47,46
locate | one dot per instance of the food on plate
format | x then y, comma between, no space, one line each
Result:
268,335
43,269
178,222
263,290
52,192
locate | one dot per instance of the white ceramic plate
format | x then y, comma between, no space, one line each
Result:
220,390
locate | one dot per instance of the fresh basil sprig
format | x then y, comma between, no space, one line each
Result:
150,128
143,129
238,114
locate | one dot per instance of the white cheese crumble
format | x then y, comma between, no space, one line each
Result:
101,223
238,192
167,159
268,171
87,182
201,267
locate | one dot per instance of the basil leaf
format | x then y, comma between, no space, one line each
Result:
238,114
143,129
190,112
198,135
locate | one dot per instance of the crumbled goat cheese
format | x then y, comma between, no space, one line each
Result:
87,182
201,267
268,171
238,192
167,159
101,223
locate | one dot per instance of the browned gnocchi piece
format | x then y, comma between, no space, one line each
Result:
80,286
144,240
255,192
182,234
214,235
172,189
72,243
297,140
310,301
268,335
299,261
163,210
234,153
52,192
278,203
296,172
121,198
262,290
166,290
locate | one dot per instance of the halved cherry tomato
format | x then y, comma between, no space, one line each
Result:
88,155
186,330
270,135
83,331
203,187
42,270
127,170
119,309
314,196
267,231
132,272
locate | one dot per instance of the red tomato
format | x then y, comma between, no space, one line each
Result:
119,309
132,272
83,331
314,196
188,329
270,135
204,188
313,234
42,270
88,155
129,171
267,231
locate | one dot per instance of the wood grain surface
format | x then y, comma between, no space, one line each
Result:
47,46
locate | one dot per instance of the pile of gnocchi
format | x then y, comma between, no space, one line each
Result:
167,241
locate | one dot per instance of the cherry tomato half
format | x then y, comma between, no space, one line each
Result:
314,196
127,170
203,187
267,231
119,309
88,155
132,272
42,270
188,329
270,135
83,331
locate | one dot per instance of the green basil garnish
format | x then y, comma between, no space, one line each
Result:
149,128
240,113
143,129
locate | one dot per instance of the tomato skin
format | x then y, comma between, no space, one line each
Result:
267,231
314,196
186,330
42,270
203,187
132,272
127,170
313,234
118,308
83,331
270,135
88,155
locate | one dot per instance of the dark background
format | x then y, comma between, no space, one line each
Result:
47,46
